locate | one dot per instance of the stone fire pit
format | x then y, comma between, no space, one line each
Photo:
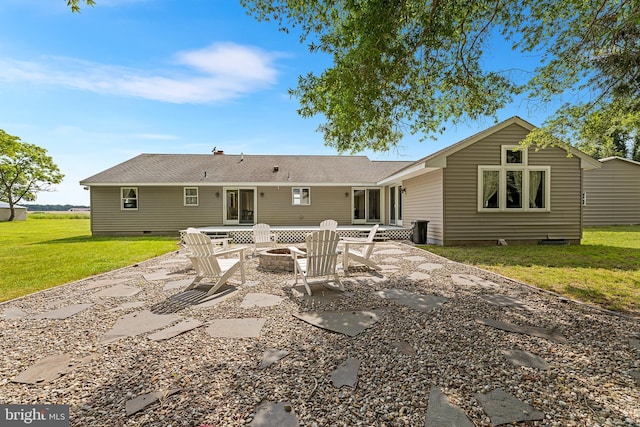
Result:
279,259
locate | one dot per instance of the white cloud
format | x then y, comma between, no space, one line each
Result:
217,73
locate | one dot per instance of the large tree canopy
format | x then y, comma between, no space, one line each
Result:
411,66
25,169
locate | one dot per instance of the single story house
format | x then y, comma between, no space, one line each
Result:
5,212
612,193
477,191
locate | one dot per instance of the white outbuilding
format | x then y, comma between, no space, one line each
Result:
5,212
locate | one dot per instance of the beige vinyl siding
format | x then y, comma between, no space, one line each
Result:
464,224
423,200
275,207
160,211
612,194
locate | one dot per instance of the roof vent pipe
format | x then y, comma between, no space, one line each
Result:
276,168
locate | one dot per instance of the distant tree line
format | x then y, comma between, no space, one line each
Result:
47,208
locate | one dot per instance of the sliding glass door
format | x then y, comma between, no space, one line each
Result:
366,205
239,205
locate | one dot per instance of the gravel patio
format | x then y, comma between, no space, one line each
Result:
438,335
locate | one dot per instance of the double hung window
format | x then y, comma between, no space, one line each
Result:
191,196
300,196
129,198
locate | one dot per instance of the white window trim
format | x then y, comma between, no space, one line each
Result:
503,156
293,190
502,187
122,199
197,196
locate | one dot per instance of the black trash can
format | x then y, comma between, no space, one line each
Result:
419,231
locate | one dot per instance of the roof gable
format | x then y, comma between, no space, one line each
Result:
438,159
608,159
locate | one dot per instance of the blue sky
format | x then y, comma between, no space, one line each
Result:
162,76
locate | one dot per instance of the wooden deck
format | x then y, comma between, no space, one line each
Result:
297,234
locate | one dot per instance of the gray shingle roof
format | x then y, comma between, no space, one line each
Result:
226,168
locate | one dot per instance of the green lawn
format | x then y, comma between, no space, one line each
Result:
48,250
604,270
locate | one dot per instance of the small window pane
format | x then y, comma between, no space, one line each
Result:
129,198
537,188
191,196
490,194
514,189
301,196
514,157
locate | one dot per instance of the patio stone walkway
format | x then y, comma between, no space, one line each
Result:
424,341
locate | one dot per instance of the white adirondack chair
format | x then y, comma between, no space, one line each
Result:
320,259
359,250
263,237
217,268
199,243
329,224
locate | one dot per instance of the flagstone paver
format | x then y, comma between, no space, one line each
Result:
415,258
430,266
14,313
504,408
138,403
119,291
272,356
270,414
346,374
128,305
104,282
442,413
350,323
416,301
418,276
159,275
50,368
177,284
393,251
505,301
173,331
236,328
56,302
63,312
260,300
525,358
550,334
319,293
471,280
137,323
224,293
